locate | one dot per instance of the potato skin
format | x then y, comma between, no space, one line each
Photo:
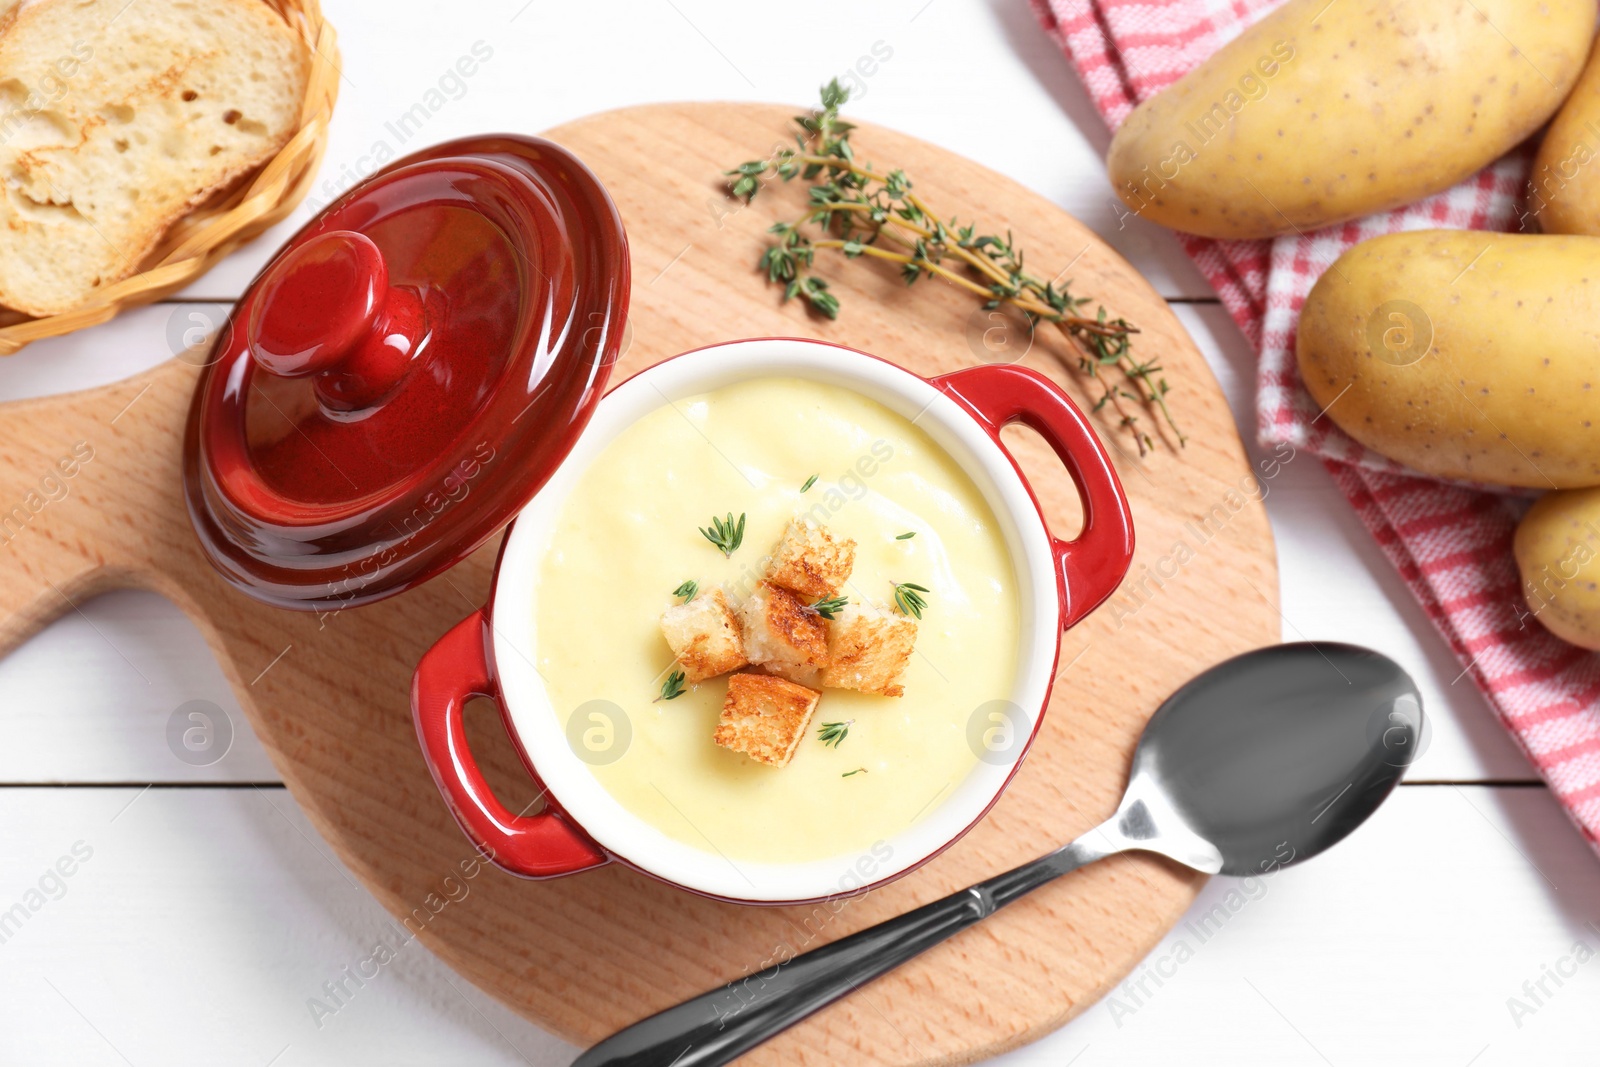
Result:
1557,545
1325,112
1564,188
1463,354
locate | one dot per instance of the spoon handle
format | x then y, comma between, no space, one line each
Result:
720,1025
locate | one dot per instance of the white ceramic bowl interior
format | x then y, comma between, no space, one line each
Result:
541,731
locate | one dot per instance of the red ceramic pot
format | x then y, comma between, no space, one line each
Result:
490,653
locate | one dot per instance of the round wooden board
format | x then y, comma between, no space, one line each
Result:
328,696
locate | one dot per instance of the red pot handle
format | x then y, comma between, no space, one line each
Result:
1093,565
452,672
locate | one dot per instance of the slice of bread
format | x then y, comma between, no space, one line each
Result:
765,717
117,118
704,635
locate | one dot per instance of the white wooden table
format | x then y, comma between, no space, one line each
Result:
202,913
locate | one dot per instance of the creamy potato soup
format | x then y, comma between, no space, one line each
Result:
629,535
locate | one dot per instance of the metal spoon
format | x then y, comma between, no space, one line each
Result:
1260,762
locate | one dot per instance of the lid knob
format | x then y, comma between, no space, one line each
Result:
326,309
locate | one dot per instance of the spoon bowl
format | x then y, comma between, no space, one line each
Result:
1263,761
1276,755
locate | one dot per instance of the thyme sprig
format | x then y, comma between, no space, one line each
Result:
834,732
829,607
862,212
672,688
687,590
727,534
908,598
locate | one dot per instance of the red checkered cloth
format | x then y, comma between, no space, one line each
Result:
1451,543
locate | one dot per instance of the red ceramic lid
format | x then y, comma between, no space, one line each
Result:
406,373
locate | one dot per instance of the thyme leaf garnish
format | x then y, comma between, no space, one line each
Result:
908,598
672,688
829,607
834,732
687,590
726,534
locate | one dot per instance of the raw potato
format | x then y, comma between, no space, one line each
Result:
1556,548
1324,112
1463,354
1564,189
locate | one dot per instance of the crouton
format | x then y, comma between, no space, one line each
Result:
868,650
810,562
780,633
705,636
765,717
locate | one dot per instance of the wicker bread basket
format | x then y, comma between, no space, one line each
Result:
196,241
